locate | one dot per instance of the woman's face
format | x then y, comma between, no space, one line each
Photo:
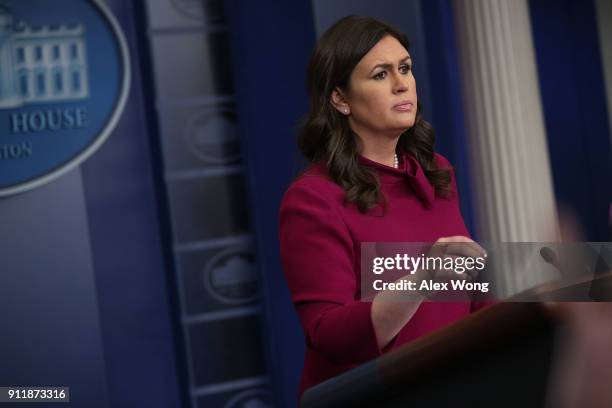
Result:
382,97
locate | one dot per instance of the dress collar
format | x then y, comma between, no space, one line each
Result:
410,171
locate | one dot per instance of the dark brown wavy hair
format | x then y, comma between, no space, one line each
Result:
325,135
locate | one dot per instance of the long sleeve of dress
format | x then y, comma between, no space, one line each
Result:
318,261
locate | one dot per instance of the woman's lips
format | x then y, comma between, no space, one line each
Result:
404,107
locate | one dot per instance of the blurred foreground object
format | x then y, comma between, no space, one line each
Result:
583,361
506,355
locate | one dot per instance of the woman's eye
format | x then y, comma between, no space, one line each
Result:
380,75
405,68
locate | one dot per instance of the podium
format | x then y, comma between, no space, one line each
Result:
500,356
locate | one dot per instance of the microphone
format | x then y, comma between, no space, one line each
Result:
551,257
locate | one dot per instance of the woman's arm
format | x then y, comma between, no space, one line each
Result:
390,315
318,261
317,254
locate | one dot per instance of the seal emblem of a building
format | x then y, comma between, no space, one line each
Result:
64,80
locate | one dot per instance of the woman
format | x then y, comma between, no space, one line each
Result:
374,178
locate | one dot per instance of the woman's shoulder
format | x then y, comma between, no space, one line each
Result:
314,182
442,162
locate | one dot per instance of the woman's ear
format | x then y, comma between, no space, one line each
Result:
339,102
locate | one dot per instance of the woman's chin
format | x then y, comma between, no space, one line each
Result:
403,125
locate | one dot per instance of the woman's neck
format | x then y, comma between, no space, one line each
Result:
383,153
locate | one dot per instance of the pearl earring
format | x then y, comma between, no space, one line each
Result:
346,110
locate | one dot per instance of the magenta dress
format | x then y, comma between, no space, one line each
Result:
320,239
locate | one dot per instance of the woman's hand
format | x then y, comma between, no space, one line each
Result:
450,248
390,313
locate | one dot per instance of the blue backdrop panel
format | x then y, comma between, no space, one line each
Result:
50,327
447,104
130,271
574,102
271,42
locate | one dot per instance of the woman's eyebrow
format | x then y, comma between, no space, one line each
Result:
388,66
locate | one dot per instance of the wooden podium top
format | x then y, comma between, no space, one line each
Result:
472,337
481,334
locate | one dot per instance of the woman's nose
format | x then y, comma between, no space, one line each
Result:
401,84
